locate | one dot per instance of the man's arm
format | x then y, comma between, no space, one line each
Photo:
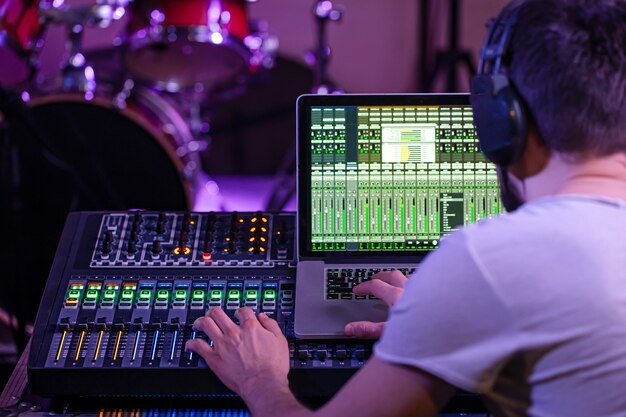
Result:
253,360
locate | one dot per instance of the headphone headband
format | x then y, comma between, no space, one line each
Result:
498,111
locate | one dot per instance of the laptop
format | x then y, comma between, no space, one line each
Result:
381,180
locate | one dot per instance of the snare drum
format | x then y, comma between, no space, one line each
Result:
140,156
178,44
20,30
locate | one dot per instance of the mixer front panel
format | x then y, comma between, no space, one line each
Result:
126,288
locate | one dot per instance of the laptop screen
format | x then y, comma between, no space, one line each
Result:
390,173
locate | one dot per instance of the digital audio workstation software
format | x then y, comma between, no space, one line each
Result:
396,178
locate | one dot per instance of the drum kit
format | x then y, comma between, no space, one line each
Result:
131,120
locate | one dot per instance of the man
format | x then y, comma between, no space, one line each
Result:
527,309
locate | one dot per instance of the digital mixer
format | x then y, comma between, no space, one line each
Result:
126,287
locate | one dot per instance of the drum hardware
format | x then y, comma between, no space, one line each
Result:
284,184
324,12
21,31
76,75
198,45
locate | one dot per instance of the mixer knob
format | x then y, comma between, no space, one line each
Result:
184,237
132,246
83,327
138,218
108,235
106,247
162,217
282,233
160,227
322,353
207,247
133,235
156,247
232,248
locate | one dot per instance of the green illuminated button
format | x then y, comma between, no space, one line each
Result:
216,294
252,294
74,294
269,294
198,294
92,294
145,294
109,294
161,294
233,294
127,295
180,294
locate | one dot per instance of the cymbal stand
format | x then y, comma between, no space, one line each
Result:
324,12
76,75
452,58
284,185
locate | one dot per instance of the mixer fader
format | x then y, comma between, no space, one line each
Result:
126,287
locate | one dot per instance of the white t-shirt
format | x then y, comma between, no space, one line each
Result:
528,308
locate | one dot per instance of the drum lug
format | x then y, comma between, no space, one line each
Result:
119,101
262,45
191,147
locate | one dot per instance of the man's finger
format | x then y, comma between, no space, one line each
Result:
246,316
201,347
270,324
226,325
388,293
209,327
395,278
364,329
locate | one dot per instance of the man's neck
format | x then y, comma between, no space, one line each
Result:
603,177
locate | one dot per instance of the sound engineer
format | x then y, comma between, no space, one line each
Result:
527,309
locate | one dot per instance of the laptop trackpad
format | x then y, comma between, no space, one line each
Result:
317,317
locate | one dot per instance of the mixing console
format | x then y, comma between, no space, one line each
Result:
125,289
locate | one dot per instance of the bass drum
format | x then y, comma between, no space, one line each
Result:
139,156
72,154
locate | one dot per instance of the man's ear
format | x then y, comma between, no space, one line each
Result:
534,158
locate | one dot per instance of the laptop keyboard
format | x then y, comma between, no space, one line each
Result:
339,281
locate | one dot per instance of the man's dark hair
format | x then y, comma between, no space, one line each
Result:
568,61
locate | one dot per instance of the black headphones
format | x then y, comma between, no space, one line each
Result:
499,112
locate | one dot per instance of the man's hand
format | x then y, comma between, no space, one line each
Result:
246,357
386,285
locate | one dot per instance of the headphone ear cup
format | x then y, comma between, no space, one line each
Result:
499,118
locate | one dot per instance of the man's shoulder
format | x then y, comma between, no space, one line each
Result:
547,219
